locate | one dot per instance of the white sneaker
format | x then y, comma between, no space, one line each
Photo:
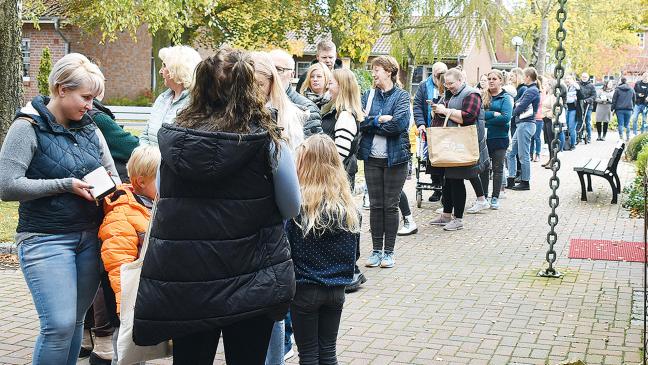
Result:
454,225
439,210
478,206
409,226
289,354
502,194
365,202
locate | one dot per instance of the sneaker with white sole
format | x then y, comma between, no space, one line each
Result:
365,202
387,261
494,204
454,225
289,354
375,259
478,206
409,226
442,220
439,210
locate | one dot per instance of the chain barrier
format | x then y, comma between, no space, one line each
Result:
554,181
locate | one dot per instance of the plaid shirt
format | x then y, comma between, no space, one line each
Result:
470,109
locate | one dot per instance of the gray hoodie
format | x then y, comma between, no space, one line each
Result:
623,98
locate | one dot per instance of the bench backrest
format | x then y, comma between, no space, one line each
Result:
131,112
616,157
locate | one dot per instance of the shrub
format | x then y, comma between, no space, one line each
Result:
642,158
146,99
365,80
44,69
635,146
634,197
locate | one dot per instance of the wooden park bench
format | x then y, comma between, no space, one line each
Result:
131,113
598,167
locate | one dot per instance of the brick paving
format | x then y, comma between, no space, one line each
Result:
472,296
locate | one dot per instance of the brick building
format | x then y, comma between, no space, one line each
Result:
126,64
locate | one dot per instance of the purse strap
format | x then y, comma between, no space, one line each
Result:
372,93
445,123
147,236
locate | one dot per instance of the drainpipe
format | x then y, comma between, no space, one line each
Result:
57,28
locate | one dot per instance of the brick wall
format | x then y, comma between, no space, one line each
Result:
125,63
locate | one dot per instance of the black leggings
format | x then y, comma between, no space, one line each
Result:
454,197
497,162
478,184
598,128
403,205
384,185
246,343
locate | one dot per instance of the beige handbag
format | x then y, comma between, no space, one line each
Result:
453,146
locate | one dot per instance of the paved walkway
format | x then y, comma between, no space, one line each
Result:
472,296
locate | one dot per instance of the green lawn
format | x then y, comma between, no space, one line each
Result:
8,220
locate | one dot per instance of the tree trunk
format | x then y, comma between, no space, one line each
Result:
10,64
542,44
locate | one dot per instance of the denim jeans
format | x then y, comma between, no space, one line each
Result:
520,147
639,109
587,119
623,116
275,354
536,143
289,330
316,311
62,272
571,125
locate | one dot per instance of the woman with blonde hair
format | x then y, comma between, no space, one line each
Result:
323,241
178,65
385,148
289,117
316,84
49,149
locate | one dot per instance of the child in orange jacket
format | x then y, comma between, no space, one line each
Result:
127,215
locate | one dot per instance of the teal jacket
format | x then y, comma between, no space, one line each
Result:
498,126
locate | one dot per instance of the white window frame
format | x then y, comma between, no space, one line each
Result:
301,67
26,59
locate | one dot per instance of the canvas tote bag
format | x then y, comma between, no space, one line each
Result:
453,146
127,351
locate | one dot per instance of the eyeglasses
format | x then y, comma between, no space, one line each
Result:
284,69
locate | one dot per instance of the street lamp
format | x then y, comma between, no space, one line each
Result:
517,42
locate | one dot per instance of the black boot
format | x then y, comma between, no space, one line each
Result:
510,182
436,196
523,185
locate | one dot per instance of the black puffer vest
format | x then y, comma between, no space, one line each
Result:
217,253
61,153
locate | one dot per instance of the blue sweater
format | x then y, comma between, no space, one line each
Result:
326,259
529,100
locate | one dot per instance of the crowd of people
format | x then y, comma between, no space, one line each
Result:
239,193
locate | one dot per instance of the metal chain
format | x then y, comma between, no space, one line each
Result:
554,181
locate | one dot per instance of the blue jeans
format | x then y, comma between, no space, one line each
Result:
587,119
571,126
288,334
520,147
535,141
639,109
623,117
62,272
275,354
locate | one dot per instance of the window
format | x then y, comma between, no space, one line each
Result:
26,52
302,67
641,37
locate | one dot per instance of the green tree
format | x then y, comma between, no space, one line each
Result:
44,69
600,34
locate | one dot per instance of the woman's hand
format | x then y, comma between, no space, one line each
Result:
385,118
440,109
82,189
497,114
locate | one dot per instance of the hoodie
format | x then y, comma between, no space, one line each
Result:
623,98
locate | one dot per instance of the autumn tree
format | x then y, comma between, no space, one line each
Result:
10,63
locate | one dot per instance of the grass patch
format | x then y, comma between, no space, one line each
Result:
8,220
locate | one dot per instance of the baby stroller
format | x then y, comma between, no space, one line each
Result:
421,163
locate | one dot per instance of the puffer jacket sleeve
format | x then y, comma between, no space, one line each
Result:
400,117
506,112
120,246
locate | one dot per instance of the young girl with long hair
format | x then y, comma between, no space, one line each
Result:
323,240
315,86
289,116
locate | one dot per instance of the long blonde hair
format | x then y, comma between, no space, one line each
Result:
348,97
519,76
327,203
486,95
288,115
316,66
